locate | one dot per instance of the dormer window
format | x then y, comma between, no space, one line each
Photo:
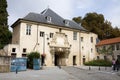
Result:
49,19
66,22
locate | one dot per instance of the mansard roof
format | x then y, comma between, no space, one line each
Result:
55,19
109,41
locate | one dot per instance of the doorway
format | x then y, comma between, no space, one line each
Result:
42,60
74,60
56,61
59,59
84,60
118,57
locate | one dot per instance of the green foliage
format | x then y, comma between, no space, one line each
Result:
98,63
3,13
96,23
77,19
30,57
5,34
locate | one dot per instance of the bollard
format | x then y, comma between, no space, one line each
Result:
99,68
59,66
16,71
105,68
89,68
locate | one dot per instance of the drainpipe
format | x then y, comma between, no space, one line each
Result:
80,55
36,39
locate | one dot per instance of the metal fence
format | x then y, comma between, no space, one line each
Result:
5,64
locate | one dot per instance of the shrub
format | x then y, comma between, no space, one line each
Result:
98,63
30,57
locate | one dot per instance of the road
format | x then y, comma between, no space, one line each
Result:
65,73
82,74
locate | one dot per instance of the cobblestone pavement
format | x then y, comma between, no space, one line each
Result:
49,73
83,73
66,73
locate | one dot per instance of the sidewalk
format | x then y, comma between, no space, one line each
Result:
47,73
99,69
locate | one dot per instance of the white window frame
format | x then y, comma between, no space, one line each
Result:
28,29
74,35
49,19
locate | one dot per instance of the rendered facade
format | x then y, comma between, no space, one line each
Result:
112,47
59,41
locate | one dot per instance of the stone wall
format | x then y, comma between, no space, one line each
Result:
5,64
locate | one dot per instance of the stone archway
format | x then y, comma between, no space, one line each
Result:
61,56
59,49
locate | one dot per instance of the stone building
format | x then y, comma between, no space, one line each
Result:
112,47
58,40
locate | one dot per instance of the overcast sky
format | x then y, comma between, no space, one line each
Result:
65,8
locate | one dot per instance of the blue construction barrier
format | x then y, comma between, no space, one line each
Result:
18,64
36,64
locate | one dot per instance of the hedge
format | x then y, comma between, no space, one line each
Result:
98,63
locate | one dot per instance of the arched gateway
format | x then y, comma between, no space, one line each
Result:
59,49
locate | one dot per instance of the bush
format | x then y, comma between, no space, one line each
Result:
98,63
30,57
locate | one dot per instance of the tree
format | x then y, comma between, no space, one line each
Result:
5,34
96,23
3,13
77,19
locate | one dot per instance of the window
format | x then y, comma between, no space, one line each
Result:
98,57
66,23
74,35
51,35
81,39
41,34
66,36
24,49
28,29
82,48
97,49
49,19
104,47
13,55
113,47
13,49
24,55
105,58
60,30
91,39
117,47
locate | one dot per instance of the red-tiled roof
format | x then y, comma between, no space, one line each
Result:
109,41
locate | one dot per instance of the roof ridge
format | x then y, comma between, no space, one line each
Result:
43,12
109,41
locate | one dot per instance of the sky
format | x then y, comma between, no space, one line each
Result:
65,8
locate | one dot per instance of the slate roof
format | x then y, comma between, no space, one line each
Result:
109,41
55,19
